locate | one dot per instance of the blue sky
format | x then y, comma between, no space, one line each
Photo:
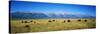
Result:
52,8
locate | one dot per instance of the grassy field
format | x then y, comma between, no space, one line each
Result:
41,25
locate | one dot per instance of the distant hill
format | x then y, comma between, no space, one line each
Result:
27,15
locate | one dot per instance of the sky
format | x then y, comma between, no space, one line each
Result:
23,6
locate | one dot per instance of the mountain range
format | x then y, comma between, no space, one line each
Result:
35,15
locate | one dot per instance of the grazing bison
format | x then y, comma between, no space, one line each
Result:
85,20
64,21
68,21
24,21
27,26
79,20
53,20
31,21
49,21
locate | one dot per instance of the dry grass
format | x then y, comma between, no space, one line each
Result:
43,25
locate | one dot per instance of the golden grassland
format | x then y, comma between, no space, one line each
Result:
41,25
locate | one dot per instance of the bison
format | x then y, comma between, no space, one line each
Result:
68,21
